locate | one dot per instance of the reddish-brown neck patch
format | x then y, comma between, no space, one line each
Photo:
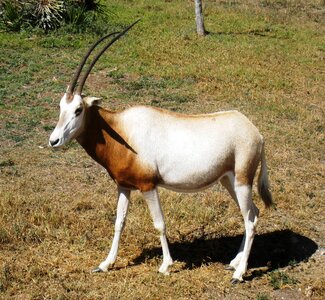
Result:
107,144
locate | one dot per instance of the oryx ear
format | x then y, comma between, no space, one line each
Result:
90,101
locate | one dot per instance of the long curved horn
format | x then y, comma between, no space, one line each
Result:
76,75
84,77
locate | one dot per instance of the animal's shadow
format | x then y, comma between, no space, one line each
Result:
272,250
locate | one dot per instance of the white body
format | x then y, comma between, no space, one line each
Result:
189,152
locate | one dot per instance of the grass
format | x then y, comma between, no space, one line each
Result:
262,297
57,209
279,279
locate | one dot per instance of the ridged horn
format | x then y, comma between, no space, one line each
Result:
85,75
76,75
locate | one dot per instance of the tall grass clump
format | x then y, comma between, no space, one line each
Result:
48,15
85,15
12,15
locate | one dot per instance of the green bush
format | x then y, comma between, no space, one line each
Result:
48,14
74,15
12,15
83,16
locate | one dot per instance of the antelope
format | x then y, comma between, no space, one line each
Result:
143,148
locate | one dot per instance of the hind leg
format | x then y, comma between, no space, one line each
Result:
228,181
250,215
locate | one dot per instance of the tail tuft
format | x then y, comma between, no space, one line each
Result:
263,183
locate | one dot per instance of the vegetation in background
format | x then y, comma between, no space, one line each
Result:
76,15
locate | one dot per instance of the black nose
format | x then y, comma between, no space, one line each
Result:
53,143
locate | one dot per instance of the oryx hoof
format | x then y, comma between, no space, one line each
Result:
235,281
97,270
230,268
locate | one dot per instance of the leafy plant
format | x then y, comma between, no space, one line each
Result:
11,15
78,15
93,5
85,15
48,13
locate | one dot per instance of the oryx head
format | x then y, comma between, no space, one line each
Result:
72,118
73,105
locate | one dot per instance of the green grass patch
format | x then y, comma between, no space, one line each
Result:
278,279
262,297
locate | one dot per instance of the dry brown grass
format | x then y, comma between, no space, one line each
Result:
57,208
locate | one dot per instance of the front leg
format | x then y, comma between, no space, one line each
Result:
153,202
122,210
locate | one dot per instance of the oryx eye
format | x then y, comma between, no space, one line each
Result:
78,111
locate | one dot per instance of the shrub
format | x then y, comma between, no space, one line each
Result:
48,14
83,15
12,15
76,15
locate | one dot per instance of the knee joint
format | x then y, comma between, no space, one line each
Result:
160,226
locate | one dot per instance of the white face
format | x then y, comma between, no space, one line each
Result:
70,121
